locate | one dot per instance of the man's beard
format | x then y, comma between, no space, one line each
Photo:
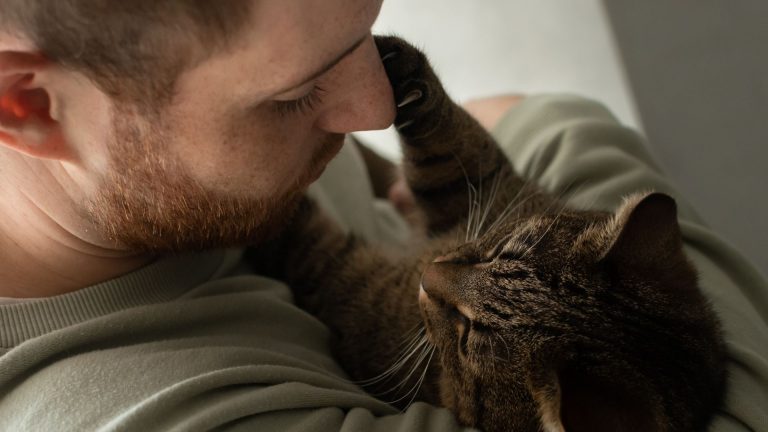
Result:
149,204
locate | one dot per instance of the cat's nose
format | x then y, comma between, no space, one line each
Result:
445,283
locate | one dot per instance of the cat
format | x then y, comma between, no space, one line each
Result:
523,316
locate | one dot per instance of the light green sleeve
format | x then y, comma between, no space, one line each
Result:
575,147
198,343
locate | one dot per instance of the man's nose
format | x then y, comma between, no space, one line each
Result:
360,97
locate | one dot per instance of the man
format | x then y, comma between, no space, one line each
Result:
133,132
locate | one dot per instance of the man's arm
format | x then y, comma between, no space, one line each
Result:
576,148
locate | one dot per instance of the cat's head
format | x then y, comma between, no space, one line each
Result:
577,321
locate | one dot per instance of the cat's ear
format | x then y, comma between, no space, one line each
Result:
645,236
573,401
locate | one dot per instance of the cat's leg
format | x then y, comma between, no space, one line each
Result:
450,160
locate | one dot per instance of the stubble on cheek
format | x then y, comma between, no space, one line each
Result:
148,203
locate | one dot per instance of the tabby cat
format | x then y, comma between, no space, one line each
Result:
524,316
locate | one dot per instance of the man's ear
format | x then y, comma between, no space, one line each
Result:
26,122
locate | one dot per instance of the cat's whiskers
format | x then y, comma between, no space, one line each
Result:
513,205
477,210
478,200
516,205
423,376
547,210
417,342
414,391
410,352
471,191
493,356
506,346
495,187
568,193
479,197
413,334
474,212
549,228
425,352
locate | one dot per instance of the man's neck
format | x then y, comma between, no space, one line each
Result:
48,249
45,267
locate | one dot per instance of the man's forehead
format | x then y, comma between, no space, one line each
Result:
284,43
307,35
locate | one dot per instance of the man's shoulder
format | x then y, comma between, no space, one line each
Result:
230,332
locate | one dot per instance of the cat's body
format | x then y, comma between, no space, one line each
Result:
537,317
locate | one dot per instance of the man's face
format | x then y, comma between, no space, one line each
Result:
248,130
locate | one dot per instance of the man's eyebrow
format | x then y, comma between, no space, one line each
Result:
328,66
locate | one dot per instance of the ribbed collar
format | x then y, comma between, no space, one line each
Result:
158,282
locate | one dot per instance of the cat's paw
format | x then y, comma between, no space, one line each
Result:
419,95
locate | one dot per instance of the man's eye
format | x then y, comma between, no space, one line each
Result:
302,105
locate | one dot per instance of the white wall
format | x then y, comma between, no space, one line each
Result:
484,47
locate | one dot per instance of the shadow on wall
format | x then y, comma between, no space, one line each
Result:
699,74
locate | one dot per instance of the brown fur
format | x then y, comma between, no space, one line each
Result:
539,317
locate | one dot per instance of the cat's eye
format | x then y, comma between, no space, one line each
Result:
464,321
506,250
459,318
510,255
464,325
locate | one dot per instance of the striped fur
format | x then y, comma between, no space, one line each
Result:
531,316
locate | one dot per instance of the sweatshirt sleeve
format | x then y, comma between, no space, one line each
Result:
575,148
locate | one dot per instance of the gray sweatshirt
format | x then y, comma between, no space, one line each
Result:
197,342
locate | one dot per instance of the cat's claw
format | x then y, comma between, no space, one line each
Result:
413,96
417,90
404,125
388,56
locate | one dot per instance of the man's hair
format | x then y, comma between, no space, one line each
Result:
134,50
